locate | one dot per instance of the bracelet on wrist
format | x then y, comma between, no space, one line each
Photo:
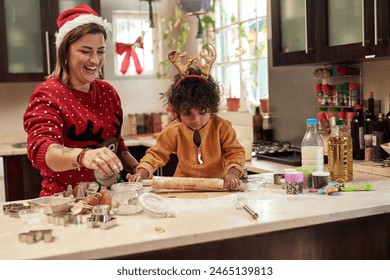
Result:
80,156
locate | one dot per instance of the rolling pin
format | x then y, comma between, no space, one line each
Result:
187,184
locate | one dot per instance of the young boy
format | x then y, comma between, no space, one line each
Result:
205,144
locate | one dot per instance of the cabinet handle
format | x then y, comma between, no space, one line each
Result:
47,52
306,40
363,34
375,22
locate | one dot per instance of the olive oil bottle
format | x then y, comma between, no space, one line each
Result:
340,163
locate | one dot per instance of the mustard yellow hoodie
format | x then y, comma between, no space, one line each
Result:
219,150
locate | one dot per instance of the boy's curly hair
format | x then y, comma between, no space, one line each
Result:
194,93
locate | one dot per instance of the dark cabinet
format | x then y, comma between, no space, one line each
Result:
22,180
27,37
293,27
331,31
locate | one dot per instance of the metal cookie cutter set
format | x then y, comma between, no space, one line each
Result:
101,218
34,236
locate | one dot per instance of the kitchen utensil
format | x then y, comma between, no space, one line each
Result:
188,184
52,204
366,187
242,204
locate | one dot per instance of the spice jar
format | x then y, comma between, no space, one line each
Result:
125,198
294,182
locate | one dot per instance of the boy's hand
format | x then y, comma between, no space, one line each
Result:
231,182
138,176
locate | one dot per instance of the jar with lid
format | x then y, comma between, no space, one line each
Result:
140,123
125,198
353,94
338,95
326,95
319,94
345,94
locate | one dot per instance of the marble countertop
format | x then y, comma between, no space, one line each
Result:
256,166
216,218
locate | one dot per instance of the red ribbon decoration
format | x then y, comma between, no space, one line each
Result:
130,53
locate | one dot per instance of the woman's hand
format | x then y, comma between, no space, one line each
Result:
138,176
103,160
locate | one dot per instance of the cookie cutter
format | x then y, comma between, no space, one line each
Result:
101,221
63,219
34,236
15,206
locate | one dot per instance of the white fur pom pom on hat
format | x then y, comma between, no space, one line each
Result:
75,17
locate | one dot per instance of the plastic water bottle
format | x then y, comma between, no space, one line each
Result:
312,148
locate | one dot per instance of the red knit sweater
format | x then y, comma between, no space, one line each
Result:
57,114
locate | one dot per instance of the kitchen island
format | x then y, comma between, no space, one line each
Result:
344,225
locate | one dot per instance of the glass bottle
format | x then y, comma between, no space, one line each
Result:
340,163
386,136
257,125
267,128
348,121
377,139
357,133
370,117
312,147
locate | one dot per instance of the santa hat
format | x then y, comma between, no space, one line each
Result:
75,17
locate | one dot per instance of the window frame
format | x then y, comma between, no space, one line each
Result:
150,50
247,87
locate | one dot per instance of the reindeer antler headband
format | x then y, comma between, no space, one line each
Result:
204,62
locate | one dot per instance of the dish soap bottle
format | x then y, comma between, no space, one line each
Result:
340,163
312,147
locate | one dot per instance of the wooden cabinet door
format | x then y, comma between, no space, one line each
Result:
22,180
293,32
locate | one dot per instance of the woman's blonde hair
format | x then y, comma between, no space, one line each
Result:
61,71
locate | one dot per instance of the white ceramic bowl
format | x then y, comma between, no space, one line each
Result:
386,147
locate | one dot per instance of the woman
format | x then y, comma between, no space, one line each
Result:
73,119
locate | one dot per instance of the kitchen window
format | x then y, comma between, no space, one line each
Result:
241,42
128,27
